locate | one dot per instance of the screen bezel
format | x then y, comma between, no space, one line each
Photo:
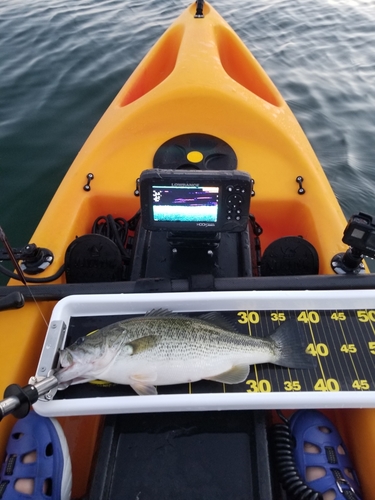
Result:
229,183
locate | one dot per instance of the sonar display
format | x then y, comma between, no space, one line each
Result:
185,203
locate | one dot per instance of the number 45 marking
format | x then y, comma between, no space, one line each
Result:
361,385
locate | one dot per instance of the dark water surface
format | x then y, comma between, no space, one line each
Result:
63,61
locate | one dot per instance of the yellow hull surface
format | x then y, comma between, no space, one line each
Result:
199,78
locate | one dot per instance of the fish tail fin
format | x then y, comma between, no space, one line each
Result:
290,350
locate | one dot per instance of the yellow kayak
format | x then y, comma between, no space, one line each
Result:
198,102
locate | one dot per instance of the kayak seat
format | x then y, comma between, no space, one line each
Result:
289,256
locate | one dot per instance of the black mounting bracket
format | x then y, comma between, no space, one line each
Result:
34,259
199,12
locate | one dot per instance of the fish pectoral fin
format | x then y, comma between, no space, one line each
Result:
235,375
142,344
144,389
142,383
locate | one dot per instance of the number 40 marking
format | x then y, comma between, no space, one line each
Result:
330,385
308,317
319,349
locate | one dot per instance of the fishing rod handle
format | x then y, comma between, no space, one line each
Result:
13,300
18,400
8,405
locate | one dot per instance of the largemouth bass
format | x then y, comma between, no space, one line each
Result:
163,348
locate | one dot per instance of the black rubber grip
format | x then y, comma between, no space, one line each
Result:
13,300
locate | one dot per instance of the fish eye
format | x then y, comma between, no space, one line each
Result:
80,341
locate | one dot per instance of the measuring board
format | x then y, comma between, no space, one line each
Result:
337,327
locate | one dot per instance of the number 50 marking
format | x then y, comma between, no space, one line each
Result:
371,346
365,316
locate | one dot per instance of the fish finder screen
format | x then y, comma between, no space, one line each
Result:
185,203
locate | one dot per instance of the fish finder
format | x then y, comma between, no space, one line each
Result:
195,201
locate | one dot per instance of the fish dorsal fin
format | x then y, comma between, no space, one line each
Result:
142,344
215,318
219,320
160,313
235,375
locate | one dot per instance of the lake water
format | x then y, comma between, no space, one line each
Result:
63,61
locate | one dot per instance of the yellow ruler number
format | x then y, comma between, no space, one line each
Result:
262,385
338,316
319,349
371,346
348,348
308,317
330,385
248,317
361,385
292,385
365,316
278,316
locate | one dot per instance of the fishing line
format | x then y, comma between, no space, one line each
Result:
19,271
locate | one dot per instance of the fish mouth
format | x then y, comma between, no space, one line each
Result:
65,358
71,371
71,375
65,376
